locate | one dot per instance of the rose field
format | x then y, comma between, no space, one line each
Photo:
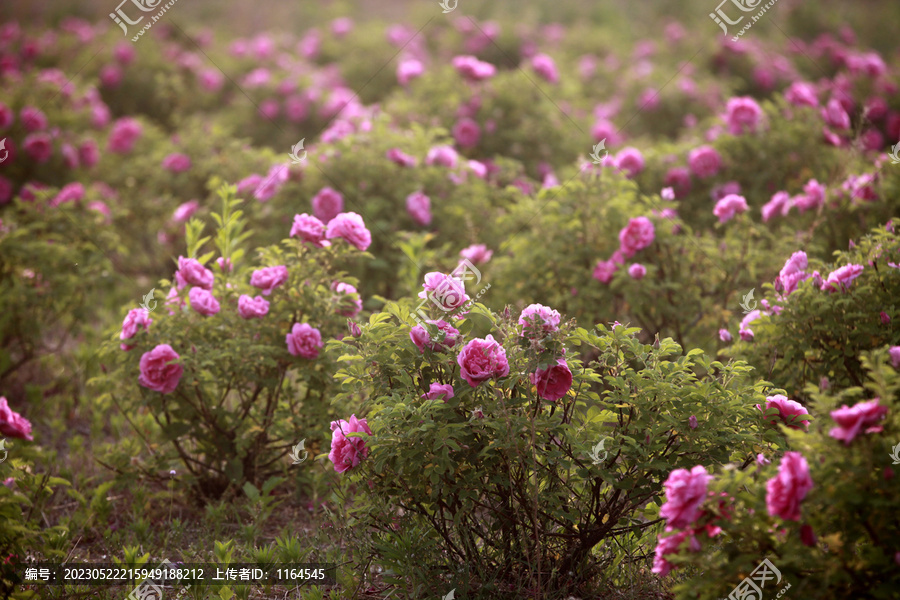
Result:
439,299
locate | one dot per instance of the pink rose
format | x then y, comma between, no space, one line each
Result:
835,116
742,114
269,278
418,205
349,302
780,203
399,157
801,93
544,66
7,116
346,452
604,270
842,278
304,341
225,264
447,292
252,308
191,272
720,191
349,226
12,423
309,229
33,119
71,192
637,235
785,491
158,371
791,413
443,156
476,254
482,359
671,545
725,335
861,416
185,211
631,161
553,382
895,356
409,69
125,133
692,422
466,132
134,320
442,391
177,162
637,271
38,146
704,161
203,301
473,69
685,493
537,319
729,206
88,153
444,338
327,204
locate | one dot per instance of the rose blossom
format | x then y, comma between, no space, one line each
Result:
670,545
399,157
631,161
327,204
692,422
444,156
685,493
418,205
309,229
742,114
185,211
12,423
473,69
861,416
704,161
191,272
725,335
679,179
158,371
604,270
538,319
785,491
842,278
88,153
637,271
446,337
203,301
482,359
442,391
409,69
894,353
779,204
346,452
268,278
38,146
637,235
553,382
304,341
134,320
177,162
801,93
71,192
33,119
476,254
349,226
466,132
252,308
729,206
544,66
450,293
835,116
791,413
125,133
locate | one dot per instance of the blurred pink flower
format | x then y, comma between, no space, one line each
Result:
637,235
409,69
743,114
38,146
729,206
177,162
861,417
125,133
835,116
203,301
398,157
185,211
438,391
33,119
779,204
445,337
544,66
466,132
473,69
350,227
444,156
841,278
788,410
12,423
785,491
631,161
252,308
191,272
327,204
704,161
269,278
685,493
309,229
637,271
476,253
604,271
347,452
418,205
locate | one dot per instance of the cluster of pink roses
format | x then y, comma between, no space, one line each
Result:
348,226
634,237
